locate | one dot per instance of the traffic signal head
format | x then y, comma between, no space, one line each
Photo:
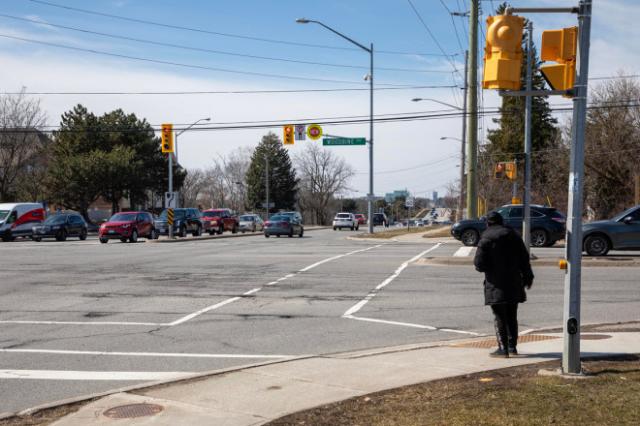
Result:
503,52
559,46
287,138
510,170
498,172
166,138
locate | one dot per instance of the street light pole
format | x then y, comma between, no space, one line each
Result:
370,196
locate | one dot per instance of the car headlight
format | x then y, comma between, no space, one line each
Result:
214,222
125,226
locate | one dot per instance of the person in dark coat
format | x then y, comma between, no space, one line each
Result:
504,259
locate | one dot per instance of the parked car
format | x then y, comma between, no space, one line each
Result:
18,219
345,220
251,223
282,224
362,219
548,225
221,220
380,219
620,233
60,226
185,220
128,226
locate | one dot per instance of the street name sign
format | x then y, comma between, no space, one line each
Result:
343,141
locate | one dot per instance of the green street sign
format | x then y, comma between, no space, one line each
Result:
343,141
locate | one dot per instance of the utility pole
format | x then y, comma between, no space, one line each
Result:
266,176
170,192
526,224
464,135
472,117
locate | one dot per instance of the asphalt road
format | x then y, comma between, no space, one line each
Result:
82,317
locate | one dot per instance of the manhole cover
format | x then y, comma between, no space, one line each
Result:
489,343
133,410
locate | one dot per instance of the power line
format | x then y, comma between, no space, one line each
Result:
193,66
217,52
419,166
216,33
453,23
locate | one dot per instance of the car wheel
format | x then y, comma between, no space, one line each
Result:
357,227
253,229
334,228
134,236
62,235
153,235
83,235
278,235
301,232
470,237
353,228
123,240
597,245
37,239
104,240
290,234
266,235
197,232
539,238
212,232
220,229
183,232
234,230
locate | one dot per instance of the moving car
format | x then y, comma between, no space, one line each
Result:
251,223
548,225
185,220
620,233
221,220
128,226
380,219
282,224
18,219
345,220
362,219
60,226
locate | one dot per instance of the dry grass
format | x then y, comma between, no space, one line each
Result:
514,396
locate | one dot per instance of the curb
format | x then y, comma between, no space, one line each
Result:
217,237
602,262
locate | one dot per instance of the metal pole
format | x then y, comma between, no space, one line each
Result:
266,173
175,146
472,118
464,135
370,204
526,224
636,197
170,190
571,349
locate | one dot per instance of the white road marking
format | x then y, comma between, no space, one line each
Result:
92,375
406,324
255,290
143,354
463,252
355,308
205,310
146,324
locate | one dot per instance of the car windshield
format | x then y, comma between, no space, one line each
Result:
246,218
55,220
213,213
177,214
279,218
4,214
624,214
123,217
343,216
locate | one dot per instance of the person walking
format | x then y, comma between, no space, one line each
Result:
504,259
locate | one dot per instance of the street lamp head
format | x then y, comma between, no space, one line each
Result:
416,99
302,21
207,119
443,138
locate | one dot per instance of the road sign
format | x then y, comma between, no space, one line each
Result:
301,132
288,135
409,202
314,131
170,217
171,200
343,141
271,205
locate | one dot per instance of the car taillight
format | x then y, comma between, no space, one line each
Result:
284,223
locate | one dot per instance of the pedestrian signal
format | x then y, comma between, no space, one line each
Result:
503,52
559,46
499,171
166,138
505,170
288,135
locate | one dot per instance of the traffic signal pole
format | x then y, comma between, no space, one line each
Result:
170,226
526,207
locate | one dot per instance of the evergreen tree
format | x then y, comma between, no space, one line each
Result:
283,184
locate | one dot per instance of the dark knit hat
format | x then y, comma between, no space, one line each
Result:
494,218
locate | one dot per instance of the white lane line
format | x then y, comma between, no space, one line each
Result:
202,311
91,375
330,259
143,354
355,308
463,252
406,324
255,290
146,324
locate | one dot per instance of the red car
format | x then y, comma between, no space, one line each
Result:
128,226
362,219
220,220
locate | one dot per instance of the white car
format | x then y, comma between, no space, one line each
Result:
345,220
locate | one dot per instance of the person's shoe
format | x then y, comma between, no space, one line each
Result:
499,353
513,351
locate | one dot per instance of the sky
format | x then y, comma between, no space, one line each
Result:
256,65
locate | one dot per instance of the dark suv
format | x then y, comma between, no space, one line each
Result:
185,220
548,225
620,233
60,226
380,219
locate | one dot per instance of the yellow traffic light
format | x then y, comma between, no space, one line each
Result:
288,135
510,170
559,46
503,52
167,138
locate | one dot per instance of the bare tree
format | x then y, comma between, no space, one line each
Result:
234,170
322,176
21,143
192,188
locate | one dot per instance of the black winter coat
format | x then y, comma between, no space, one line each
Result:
504,259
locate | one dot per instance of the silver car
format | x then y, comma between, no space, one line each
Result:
250,223
345,220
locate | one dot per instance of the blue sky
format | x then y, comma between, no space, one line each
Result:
392,26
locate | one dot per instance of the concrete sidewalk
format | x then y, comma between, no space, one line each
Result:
259,394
